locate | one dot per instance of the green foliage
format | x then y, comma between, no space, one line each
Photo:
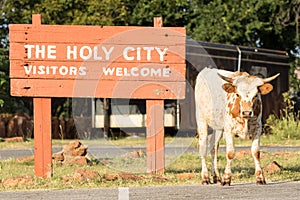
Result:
92,12
286,126
248,23
174,13
294,80
270,24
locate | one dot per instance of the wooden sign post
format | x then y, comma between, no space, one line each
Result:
98,62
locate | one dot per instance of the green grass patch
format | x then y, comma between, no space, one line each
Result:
266,140
242,168
122,142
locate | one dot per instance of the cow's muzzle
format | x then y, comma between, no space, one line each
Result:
247,114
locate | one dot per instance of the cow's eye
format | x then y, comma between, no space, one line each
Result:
237,95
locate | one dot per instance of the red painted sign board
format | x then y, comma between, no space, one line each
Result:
62,60
101,62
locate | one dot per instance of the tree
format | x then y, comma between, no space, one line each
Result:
174,13
270,24
288,19
76,12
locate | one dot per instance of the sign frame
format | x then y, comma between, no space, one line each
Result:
161,76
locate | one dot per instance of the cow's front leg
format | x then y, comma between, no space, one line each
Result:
203,152
229,156
260,179
214,154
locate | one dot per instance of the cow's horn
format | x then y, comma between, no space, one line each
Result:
266,80
230,80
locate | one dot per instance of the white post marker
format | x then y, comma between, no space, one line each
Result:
123,193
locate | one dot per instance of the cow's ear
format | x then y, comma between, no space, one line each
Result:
265,88
228,87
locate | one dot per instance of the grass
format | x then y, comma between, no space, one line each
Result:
128,142
242,168
266,140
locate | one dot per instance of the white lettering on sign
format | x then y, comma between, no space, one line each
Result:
54,70
87,52
41,51
149,50
135,71
97,53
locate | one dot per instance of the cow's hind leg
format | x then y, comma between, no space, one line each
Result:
214,154
229,156
260,179
203,135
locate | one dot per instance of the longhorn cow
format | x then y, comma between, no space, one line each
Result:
230,104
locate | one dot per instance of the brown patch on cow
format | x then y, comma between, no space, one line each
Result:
265,88
257,155
246,105
230,155
235,107
258,173
256,106
228,87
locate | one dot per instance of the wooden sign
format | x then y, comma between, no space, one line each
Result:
97,61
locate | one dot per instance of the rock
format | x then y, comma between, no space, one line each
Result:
111,177
288,154
2,128
75,160
59,156
25,159
17,181
160,178
75,148
14,139
273,167
130,177
75,153
67,178
135,154
242,154
185,175
84,174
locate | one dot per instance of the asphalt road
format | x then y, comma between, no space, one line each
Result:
111,151
245,191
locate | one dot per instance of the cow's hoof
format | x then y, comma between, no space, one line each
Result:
261,182
217,180
205,182
226,183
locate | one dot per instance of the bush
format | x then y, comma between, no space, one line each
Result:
286,126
